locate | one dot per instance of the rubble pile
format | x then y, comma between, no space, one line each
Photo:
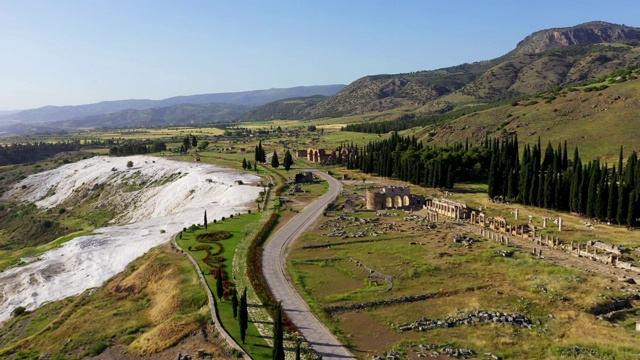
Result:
478,316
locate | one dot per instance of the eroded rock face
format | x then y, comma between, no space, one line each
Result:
590,33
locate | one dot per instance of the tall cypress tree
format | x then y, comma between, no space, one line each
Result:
205,220
243,316
235,303
278,335
623,206
492,188
288,160
603,195
632,212
274,160
219,286
592,190
612,197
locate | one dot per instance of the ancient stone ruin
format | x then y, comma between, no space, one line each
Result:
394,197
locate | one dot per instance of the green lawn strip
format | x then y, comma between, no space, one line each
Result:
238,226
14,257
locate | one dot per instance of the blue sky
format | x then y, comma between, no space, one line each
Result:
74,52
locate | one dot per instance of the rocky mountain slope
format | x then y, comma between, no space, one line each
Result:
542,61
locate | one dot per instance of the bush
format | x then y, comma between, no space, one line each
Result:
20,310
129,164
162,231
62,211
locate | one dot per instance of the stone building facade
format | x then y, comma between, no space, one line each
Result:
394,197
450,208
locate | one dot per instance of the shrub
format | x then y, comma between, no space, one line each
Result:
62,211
20,310
129,164
162,231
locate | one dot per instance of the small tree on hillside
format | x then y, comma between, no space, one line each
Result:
194,141
244,163
274,160
129,164
205,219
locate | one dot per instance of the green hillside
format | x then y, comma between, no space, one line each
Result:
598,121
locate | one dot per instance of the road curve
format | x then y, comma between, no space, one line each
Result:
274,269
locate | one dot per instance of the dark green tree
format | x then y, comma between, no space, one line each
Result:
613,198
278,335
219,285
274,160
186,142
243,315
288,160
297,350
205,219
194,141
234,303
631,213
244,163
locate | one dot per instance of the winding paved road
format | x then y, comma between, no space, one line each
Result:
275,273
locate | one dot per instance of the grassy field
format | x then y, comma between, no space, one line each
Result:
421,261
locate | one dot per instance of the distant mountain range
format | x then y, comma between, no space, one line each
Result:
174,110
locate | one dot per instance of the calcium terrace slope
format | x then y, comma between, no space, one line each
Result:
169,196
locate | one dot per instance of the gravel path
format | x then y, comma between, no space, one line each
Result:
275,273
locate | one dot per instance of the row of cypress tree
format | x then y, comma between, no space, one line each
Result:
407,159
551,181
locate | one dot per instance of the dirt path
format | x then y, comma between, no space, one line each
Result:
275,273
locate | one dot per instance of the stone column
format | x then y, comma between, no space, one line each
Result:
559,224
516,213
544,223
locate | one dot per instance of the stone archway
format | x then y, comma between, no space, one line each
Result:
406,201
398,201
389,202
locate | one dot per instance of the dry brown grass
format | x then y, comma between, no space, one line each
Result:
152,306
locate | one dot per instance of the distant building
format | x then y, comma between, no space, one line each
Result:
329,157
301,153
394,197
